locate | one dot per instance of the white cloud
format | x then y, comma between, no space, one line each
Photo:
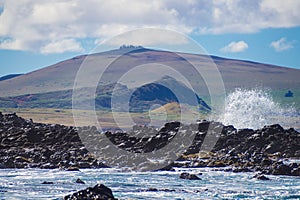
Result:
241,16
61,46
235,47
11,44
281,45
33,24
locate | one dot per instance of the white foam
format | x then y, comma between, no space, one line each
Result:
255,108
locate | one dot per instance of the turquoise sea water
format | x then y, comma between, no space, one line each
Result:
27,184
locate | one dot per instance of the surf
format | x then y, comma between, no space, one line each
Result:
255,108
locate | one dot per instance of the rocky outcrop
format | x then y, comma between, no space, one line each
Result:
269,140
245,150
266,150
152,140
25,144
261,177
79,181
189,176
98,192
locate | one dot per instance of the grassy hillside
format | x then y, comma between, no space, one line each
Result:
46,94
140,99
235,73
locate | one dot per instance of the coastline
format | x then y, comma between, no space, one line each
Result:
269,150
264,153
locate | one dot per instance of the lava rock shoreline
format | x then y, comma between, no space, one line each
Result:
269,150
25,144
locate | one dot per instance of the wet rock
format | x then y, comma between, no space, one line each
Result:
25,144
158,190
152,190
261,177
168,168
33,136
295,171
47,166
47,182
189,176
98,192
281,169
71,168
79,181
241,169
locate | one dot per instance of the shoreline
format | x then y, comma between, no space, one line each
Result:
25,144
55,184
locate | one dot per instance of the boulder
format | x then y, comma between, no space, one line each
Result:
47,183
25,144
98,192
79,181
281,169
261,177
189,176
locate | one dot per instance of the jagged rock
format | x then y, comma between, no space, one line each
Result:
25,144
47,182
168,168
241,169
98,192
189,176
261,177
79,181
152,190
281,169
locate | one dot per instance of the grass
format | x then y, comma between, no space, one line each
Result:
169,112
105,118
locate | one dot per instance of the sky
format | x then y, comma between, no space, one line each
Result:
35,34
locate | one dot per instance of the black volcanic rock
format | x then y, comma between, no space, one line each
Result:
253,150
79,181
261,177
25,144
245,150
189,176
144,144
98,192
47,183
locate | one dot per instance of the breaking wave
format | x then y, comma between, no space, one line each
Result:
255,108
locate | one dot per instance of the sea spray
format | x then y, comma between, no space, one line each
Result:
255,108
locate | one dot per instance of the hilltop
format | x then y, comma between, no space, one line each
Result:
52,87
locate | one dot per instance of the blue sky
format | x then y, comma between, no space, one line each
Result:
36,34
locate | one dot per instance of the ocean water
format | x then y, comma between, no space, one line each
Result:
27,184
